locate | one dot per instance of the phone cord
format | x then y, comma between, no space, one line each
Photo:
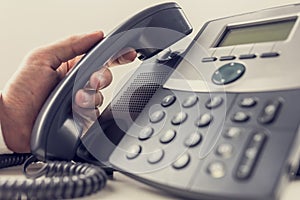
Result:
61,180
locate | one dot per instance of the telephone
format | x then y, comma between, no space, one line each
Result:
218,120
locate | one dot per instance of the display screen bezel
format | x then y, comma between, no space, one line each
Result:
230,28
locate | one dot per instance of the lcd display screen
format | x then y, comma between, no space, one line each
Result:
255,33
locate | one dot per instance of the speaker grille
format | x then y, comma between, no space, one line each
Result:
140,91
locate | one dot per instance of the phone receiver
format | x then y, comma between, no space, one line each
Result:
56,135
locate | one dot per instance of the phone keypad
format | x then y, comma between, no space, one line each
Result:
206,139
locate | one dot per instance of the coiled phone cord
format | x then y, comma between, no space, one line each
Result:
61,180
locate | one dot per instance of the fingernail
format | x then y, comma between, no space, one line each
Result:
101,79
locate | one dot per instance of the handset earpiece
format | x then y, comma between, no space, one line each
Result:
56,134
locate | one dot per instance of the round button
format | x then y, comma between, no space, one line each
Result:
233,132
193,140
190,101
134,151
225,150
168,136
156,156
157,116
248,102
216,169
204,120
228,73
179,118
240,117
168,100
182,161
214,102
146,133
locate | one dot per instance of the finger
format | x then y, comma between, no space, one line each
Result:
86,114
100,79
88,98
65,67
125,56
69,48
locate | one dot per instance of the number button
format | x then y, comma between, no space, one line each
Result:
225,150
233,132
240,117
156,156
179,118
248,102
146,133
214,102
204,120
134,151
168,100
190,101
193,140
168,136
182,161
216,169
157,116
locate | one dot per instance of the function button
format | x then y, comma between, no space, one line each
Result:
134,151
225,150
216,169
248,102
204,120
193,140
146,133
224,58
228,73
157,116
233,132
247,56
182,161
179,118
156,156
190,101
269,55
209,59
240,117
214,102
167,55
250,155
270,112
168,136
168,100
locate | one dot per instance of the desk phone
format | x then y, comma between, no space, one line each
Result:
217,120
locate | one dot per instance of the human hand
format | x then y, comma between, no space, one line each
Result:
40,72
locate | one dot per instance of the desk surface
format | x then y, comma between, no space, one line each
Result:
122,187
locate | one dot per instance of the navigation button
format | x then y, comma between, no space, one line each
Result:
228,73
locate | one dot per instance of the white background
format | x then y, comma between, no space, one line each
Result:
31,23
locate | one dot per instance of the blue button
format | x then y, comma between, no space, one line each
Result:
228,73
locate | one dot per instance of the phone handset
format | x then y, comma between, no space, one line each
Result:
55,134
